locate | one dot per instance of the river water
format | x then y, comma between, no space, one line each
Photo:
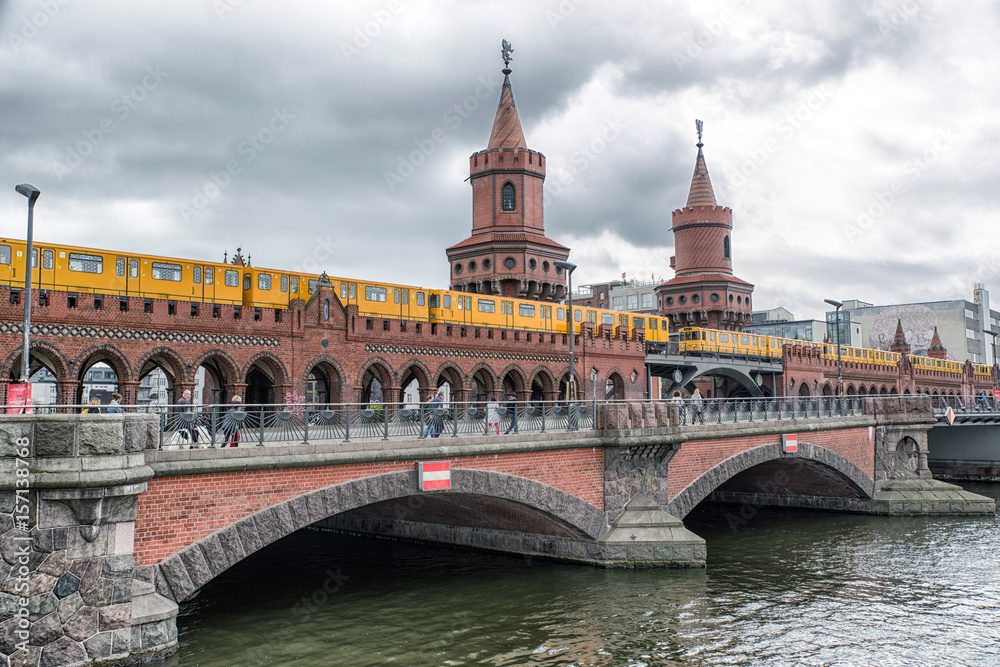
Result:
782,587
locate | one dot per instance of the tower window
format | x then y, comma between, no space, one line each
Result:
507,197
725,248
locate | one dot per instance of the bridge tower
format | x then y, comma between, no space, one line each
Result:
704,292
508,253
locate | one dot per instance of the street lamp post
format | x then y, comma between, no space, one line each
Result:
31,192
571,385
840,377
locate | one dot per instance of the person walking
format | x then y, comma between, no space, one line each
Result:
435,423
114,407
512,412
93,407
493,415
697,407
184,404
231,424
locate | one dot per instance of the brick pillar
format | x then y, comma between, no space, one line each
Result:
129,391
3,390
66,391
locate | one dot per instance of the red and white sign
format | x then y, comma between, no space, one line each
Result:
434,475
790,443
949,414
19,398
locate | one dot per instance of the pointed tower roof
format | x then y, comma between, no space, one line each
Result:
899,344
507,131
701,193
937,349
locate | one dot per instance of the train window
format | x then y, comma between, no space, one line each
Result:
343,290
578,316
406,296
639,322
652,324
395,295
247,281
447,301
48,257
459,303
487,306
723,338
607,318
711,337
525,310
354,291
548,312
4,254
209,276
744,340
232,278
264,281
164,271
120,266
591,317
560,314
312,286
284,283
623,320
133,268
34,258
434,301
420,298
196,275
86,263
373,293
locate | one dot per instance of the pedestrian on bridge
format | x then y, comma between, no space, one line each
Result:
231,423
697,407
512,412
493,415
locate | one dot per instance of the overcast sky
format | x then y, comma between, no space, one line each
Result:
855,141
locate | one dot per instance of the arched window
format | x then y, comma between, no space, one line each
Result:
507,197
725,248
326,309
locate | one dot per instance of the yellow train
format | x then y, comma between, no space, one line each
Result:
90,270
696,340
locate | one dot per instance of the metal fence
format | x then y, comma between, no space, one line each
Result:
736,410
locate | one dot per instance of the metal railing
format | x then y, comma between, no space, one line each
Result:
737,410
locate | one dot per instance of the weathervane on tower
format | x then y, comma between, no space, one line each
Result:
699,125
505,50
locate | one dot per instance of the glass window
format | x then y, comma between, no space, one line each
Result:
295,286
47,259
616,303
468,303
652,323
744,340
247,281
487,306
264,281
526,310
623,320
607,318
34,258
723,338
120,266
284,283
373,293
447,301
196,275
647,300
209,276
86,263
459,303
561,314
406,296
343,290
434,301
395,295
4,254
632,302
639,322
312,285
591,316
507,197
164,271
133,268
232,278
420,298
354,291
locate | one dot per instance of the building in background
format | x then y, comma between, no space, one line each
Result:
781,323
967,329
635,296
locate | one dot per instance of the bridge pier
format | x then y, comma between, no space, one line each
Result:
69,488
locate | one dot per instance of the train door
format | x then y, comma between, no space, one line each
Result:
401,301
464,309
507,311
44,274
127,275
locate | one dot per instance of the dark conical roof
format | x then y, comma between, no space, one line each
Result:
507,131
701,193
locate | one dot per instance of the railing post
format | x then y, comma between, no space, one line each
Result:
347,422
454,419
163,426
260,440
305,427
543,416
385,420
215,423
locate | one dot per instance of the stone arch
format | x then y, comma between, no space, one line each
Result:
108,355
804,389
615,382
827,389
376,369
486,381
451,375
330,377
221,373
197,564
851,391
518,379
162,357
46,356
542,384
699,489
414,369
264,375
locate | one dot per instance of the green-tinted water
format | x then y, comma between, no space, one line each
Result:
785,588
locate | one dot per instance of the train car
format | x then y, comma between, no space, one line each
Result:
943,365
93,271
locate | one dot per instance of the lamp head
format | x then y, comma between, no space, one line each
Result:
835,304
565,266
29,191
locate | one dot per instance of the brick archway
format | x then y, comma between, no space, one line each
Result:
821,458
558,512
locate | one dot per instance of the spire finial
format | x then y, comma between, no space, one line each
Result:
505,50
699,126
